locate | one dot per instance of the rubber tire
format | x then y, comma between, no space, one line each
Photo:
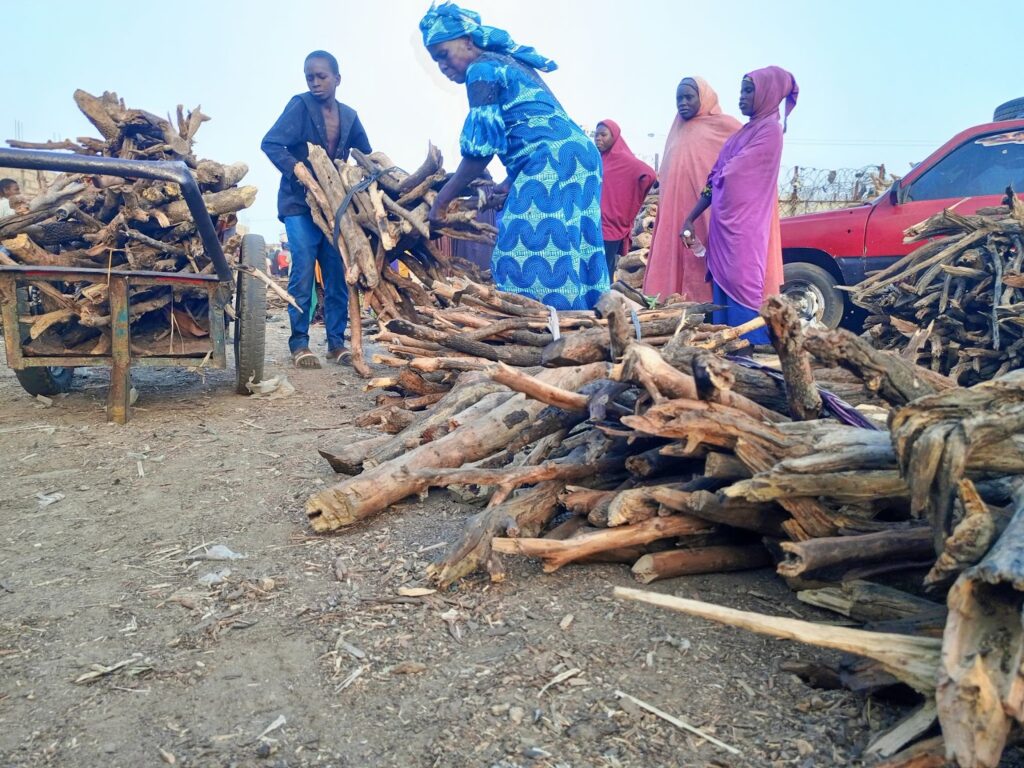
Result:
801,273
1011,110
250,316
48,381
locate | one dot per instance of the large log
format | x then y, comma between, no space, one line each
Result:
555,554
217,203
981,682
914,660
687,562
376,489
896,380
843,487
527,512
753,384
645,366
806,557
765,519
787,338
348,459
867,601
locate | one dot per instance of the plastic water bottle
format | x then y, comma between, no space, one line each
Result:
698,247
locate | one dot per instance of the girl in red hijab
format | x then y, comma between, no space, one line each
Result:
627,179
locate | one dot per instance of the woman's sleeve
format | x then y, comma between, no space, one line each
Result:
483,133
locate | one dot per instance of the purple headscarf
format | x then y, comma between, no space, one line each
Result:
744,190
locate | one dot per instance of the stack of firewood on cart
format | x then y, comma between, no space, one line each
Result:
631,435
955,304
104,222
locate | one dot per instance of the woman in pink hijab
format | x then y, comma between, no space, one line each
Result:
627,180
694,141
743,248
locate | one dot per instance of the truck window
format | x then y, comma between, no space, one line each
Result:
983,166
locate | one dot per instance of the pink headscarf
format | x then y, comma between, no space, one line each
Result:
744,252
690,151
627,180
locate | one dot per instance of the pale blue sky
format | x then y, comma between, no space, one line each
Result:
880,81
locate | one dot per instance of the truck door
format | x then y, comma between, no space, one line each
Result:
973,175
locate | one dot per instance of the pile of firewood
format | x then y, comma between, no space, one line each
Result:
954,304
377,215
115,223
630,268
677,460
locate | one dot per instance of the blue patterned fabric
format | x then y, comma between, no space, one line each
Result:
549,244
448,22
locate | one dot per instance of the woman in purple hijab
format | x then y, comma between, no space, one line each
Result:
744,258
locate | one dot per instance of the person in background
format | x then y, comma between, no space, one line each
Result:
8,189
319,118
627,180
694,141
744,250
549,244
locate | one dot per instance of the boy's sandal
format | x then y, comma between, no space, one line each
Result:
303,358
340,356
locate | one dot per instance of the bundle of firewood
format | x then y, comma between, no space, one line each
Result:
630,268
115,223
954,303
377,215
678,460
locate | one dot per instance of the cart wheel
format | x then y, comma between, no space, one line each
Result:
48,381
251,316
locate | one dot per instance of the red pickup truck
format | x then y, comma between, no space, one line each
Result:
837,248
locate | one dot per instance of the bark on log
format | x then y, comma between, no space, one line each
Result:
866,601
632,506
765,519
981,683
724,466
468,393
355,324
348,459
644,365
534,388
376,489
528,512
687,562
217,203
753,384
843,487
806,557
896,380
580,501
555,554
787,338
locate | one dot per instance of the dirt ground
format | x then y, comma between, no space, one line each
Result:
113,652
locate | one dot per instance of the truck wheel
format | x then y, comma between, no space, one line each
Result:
813,291
1011,110
47,381
251,316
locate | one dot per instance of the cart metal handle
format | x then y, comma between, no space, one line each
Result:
160,170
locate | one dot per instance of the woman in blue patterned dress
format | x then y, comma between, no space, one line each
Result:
549,244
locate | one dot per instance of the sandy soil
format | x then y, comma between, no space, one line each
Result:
113,653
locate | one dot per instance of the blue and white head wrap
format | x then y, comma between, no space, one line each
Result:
448,22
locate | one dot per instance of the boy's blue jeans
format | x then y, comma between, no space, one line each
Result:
308,246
